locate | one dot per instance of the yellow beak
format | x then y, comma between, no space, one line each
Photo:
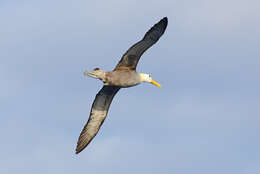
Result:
155,83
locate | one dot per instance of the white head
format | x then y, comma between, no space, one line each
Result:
147,78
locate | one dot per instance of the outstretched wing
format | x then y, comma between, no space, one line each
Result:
133,54
97,116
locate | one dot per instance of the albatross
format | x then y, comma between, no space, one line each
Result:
123,76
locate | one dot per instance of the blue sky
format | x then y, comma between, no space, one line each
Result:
205,119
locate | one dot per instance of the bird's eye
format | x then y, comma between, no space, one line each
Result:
149,75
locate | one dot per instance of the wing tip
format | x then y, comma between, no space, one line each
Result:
79,149
82,143
164,21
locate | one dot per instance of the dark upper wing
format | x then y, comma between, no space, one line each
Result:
133,54
97,116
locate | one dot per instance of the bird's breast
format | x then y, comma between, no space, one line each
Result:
123,79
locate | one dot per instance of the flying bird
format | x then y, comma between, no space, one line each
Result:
123,76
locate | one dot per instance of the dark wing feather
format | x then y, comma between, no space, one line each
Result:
133,54
97,116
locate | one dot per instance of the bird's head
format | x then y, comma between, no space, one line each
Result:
147,78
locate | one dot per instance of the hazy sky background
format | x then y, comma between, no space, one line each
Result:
205,119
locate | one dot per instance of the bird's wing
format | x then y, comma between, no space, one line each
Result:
97,116
133,54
